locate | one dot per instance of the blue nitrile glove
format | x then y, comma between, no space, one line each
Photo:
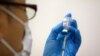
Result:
73,39
53,46
55,40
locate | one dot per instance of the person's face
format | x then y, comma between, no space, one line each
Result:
10,29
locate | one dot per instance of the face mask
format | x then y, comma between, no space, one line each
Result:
27,41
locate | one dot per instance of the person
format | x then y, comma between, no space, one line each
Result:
54,44
15,36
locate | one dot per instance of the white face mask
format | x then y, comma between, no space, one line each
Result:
27,41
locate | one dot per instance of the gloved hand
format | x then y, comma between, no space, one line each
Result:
53,46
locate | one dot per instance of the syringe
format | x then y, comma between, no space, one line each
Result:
66,21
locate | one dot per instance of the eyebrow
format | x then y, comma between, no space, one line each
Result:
33,6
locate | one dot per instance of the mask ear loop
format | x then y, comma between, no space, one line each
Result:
13,15
4,42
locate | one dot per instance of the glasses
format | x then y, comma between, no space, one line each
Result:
31,9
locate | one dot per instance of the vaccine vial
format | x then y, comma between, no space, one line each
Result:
66,22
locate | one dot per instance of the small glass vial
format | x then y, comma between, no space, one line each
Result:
66,22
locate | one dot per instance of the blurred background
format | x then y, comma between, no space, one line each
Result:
51,12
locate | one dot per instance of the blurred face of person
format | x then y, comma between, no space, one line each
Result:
11,30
